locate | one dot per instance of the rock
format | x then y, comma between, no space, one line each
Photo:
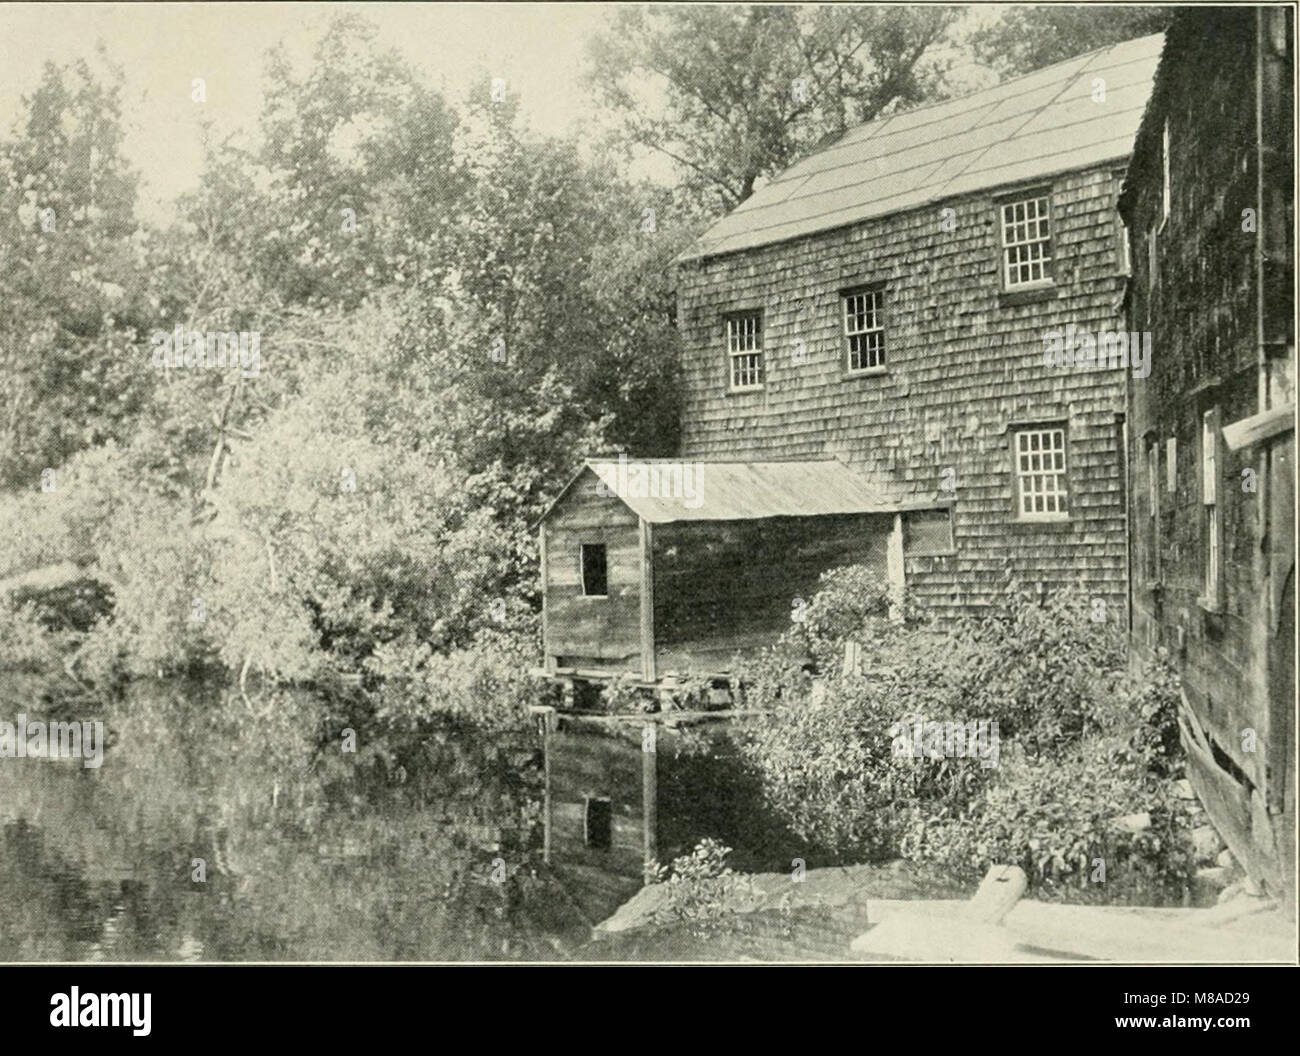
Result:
1251,888
1228,894
1206,843
1132,822
1183,789
1225,859
1212,876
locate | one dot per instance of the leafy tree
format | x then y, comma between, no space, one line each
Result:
73,297
1028,38
748,90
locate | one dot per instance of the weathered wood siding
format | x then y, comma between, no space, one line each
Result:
727,586
593,759
1214,349
587,632
964,364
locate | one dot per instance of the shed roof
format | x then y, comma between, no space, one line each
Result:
1029,127
661,491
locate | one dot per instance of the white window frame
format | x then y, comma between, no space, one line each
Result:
1023,236
873,312
1035,481
744,332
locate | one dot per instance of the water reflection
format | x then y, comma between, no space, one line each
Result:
223,829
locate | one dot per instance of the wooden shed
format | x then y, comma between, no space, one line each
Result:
661,570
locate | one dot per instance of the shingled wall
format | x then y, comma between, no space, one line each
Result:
964,364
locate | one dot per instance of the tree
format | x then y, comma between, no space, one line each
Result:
74,362
746,91
1028,38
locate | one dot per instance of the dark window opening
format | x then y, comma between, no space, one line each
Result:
598,822
594,580
927,532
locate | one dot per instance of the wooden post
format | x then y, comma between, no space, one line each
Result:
647,603
547,717
649,794
548,661
894,564
546,795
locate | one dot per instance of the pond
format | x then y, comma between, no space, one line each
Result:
222,829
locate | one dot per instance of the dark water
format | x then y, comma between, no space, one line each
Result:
219,829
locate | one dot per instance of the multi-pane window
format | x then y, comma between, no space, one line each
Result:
864,329
1040,473
1026,242
745,350
1210,502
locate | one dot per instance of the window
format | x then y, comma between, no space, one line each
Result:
1153,511
1164,170
1026,242
597,822
864,329
594,581
927,532
745,350
1040,473
1210,504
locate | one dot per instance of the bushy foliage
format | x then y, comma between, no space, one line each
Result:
701,889
833,750
1054,817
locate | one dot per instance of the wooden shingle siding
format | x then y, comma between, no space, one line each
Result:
962,369
1230,147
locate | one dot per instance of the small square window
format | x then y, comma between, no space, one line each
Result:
595,582
864,330
927,532
598,822
1041,491
745,350
1026,242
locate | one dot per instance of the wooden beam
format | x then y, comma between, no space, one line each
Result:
894,560
548,660
1259,427
649,794
647,602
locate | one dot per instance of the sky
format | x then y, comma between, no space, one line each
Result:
539,48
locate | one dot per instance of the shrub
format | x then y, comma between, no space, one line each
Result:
701,889
1054,818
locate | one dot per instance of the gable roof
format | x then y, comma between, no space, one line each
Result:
1029,127
735,491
